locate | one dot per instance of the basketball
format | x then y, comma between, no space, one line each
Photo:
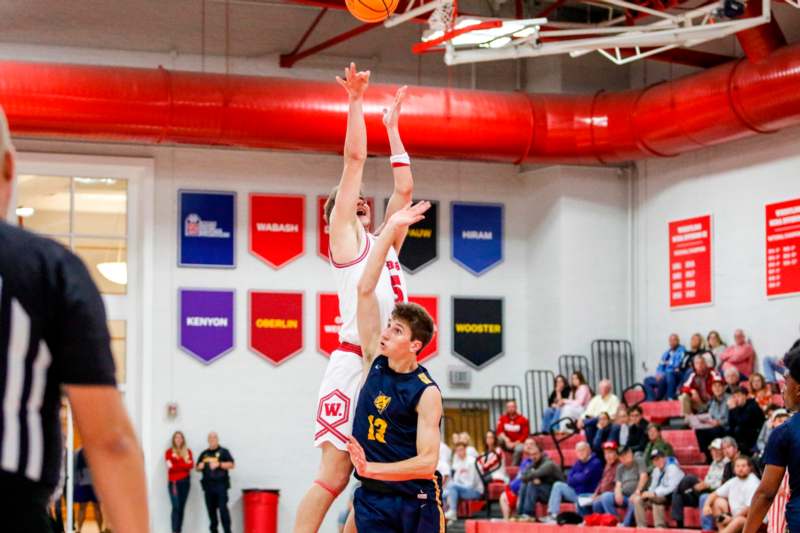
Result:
371,10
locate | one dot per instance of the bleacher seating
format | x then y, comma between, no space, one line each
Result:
660,412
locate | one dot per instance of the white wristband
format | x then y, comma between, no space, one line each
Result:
400,160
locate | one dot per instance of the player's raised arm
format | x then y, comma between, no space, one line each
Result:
421,466
367,314
401,163
344,242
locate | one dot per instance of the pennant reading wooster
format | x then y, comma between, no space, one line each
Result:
478,329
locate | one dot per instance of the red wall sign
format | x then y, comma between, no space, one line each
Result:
276,324
277,224
322,228
690,261
783,248
431,305
328,322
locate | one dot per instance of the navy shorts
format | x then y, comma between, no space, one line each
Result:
377,512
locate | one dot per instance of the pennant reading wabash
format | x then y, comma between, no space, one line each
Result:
421,246
477,235
276,324
207,229
277,225
206,328
478,329
323,238
431,305
328,323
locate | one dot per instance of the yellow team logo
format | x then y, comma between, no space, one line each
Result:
425,379
382,402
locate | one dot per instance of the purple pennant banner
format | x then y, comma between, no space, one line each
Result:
206,323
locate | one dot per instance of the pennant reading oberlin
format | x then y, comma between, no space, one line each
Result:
206,322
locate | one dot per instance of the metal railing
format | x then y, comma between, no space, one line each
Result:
538,386
502,394
569,363
613,360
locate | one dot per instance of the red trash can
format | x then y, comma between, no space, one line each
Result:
260,510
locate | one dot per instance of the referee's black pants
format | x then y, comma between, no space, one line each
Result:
216,495
25,510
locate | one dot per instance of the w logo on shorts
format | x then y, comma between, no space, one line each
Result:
332,412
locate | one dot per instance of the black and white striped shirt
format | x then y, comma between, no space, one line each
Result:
53,332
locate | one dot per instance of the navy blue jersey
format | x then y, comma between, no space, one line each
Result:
386,423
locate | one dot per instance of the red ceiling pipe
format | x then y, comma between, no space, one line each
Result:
759,42
158,106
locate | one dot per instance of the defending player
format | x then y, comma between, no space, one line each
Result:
349,216
395,442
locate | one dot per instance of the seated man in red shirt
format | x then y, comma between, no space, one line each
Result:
512,430
696,390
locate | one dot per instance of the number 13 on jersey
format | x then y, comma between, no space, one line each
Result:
377,429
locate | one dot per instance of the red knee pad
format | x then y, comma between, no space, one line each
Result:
327,488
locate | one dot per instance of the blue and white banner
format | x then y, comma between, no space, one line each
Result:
477,235
207,229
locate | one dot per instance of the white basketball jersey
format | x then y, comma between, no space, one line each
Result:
391,287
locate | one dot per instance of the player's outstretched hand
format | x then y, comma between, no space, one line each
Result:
354,82
357,456
410,214
391,115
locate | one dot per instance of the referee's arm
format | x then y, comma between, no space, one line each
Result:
114,455
762,499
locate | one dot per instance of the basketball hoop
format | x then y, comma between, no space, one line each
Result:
441,20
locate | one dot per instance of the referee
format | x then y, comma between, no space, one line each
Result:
781,454
53,334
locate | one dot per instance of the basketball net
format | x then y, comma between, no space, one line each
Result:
441,20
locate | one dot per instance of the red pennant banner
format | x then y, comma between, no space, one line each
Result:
431,305
276,324
277,225
783,248
690,275
323,238
328,322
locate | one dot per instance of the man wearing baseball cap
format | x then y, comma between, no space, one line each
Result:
693,493
781,455
664,481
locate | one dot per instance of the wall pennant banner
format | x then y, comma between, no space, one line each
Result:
431,305
276,324
477,238
328,323
690,279
421,246
478,329
323,238
207,229
783,248
207,322
277,228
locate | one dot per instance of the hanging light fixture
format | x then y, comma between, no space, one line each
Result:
114,271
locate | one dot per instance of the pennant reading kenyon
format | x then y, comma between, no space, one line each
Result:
478,329
206,329
477,235
421,246
207,229
276,324
277,223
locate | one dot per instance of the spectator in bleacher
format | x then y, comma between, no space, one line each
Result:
608,480
620,430
637,430
775,417
731,451
466,483
775,367
508,500
630,479
445,462
537,482
579,397
732,379
664,384
656,442
603,433
744,420
715,343
693,493
512,430
604,402
582,481
730,503
697,346
696,391
759,390
739,355
713,424
492,463
664,482
467,440
553,412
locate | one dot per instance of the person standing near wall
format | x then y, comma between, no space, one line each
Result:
215,463
54,338
179,468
